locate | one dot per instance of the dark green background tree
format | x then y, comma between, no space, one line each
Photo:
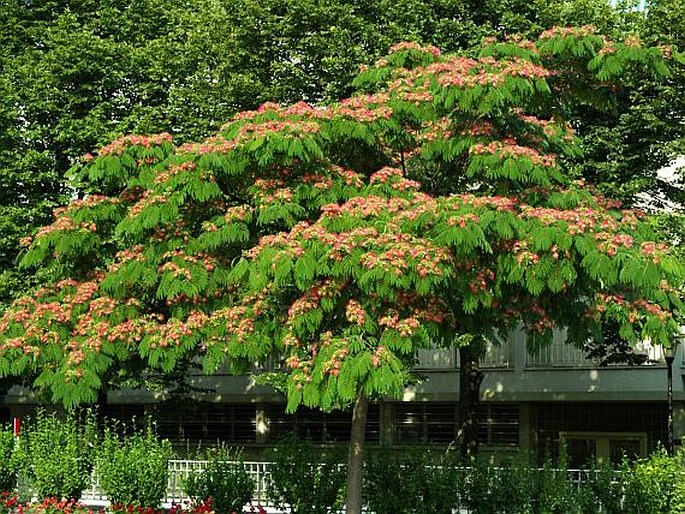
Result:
76,74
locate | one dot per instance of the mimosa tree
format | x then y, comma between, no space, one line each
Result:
344,239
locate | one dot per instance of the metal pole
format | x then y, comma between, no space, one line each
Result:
669,401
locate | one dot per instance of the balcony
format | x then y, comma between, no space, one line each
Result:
514,354
496,357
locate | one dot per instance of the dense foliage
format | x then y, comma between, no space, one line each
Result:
56,455
437,202
75,74
306,231
431,483
309,480
223,482
8,465
133,468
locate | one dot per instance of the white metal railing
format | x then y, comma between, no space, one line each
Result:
438,358
260,472
556,354
561,354
496,356
180,470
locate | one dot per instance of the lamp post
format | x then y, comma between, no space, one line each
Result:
669,355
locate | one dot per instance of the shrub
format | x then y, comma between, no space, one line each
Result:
8,470
309,483
556,494
133,469
384,471
439,485
429,485
655,484
517,487
483,489
602,492
58,454
225,481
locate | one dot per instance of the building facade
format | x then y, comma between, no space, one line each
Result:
532,404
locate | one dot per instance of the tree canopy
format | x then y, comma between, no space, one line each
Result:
433,203
348,236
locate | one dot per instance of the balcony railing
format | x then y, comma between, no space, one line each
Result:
496,356
558,354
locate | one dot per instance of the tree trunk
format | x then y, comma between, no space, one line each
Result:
470,379
355,457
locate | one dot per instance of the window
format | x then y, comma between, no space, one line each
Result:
319,426
428,422
498,425
587,448
200,421
563,421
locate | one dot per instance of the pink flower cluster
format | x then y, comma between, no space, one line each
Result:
543,322
653,250
610,243
486,71
318,181
377,356
66,223
355,313
636,308
462,220
172,171
148,199
203,259
283,128
310,300
580,220
397,253
88,202
564,32
361,108
414,47
479,128
394,176
432,130
481,281
135,253
501,203
350,177
120,145
332,366
364,108
238,213
215,144
506,149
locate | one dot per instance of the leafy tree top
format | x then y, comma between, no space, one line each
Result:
345,238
